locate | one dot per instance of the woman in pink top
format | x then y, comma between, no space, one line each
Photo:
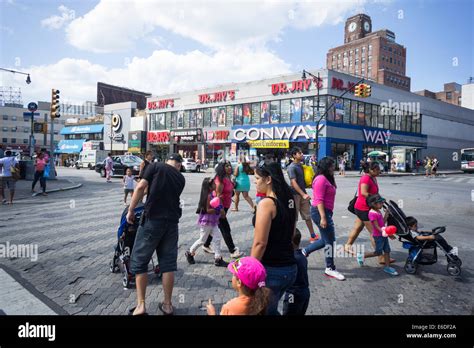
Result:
367,186
322,207
224,189
40,163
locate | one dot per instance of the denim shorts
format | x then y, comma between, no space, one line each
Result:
159,235
381,245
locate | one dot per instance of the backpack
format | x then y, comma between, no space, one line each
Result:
308,175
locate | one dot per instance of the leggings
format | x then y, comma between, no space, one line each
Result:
224,227
39,176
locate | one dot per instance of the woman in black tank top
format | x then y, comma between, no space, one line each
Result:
274,227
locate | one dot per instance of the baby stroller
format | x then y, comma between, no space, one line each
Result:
419,252
126,238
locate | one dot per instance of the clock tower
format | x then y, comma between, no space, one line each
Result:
357,27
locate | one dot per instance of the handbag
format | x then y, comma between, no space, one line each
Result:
46,171
352,203
15,173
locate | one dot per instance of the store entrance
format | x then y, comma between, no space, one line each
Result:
344,150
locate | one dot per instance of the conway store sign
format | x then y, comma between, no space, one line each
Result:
296,133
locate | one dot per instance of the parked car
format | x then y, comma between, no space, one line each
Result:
190,165
121,163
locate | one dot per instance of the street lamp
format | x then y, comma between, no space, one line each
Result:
28,79
317,79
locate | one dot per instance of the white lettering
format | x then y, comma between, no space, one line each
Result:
237,136
256,136
37,331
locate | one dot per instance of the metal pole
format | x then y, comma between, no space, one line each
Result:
45,135
32,142
111,136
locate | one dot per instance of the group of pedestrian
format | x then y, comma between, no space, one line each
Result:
431,165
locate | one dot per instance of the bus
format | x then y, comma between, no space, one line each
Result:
467,160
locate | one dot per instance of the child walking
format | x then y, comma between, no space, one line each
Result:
208,221
128,185
249,281
296,299
382,246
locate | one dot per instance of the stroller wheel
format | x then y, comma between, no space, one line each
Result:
113,266
410,267
454,269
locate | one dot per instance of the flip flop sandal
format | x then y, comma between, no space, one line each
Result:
130,312
160,306
391,261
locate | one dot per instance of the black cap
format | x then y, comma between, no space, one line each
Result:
371,200
175,157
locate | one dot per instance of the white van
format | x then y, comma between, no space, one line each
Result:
89,158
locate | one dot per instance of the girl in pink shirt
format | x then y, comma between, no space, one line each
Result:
322,207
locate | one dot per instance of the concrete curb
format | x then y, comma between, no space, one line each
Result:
75,186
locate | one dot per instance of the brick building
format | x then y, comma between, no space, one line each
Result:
373,55
451,93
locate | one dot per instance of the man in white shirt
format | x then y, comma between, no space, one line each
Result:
6,179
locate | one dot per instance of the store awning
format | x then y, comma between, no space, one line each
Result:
69,146
87,129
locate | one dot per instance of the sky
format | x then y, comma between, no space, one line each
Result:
162,46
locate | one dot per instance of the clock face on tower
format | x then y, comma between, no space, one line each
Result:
367,26
352,27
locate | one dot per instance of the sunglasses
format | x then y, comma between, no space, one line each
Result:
236,269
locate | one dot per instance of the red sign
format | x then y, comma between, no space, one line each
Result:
217,136
161,104
296,86
339,84
216,97
158,137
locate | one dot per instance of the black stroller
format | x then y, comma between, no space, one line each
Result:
126,238
419,252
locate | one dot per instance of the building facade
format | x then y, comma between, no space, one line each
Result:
451,93
274,114
373,55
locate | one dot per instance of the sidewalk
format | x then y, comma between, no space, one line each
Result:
353,173
23,188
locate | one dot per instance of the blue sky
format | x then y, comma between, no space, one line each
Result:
172,46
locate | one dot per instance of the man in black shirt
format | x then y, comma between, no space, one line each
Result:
158,229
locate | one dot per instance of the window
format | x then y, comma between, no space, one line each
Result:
238,115
246,113
25,141
265,113
192,119
168,120
222,117
368,114
449,95
390,49
174,119
409,123
370,48
307,115
354,112
207,117
275,111
295,110
5,117
393,121
361,114
186,115
26,119
13,141
56,133
386,118
4,140
347,111
390,59
376,120
13,118
230,115
214,116
14,129
26,130
255,113
285,111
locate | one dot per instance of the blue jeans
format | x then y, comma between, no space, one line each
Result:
279,279
296,303
328,237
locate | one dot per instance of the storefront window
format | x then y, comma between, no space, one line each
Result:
168,120
322,106
186,119
360,114
230,115
386,119
207,117
398,120
330,114
192,119
295,110
161,121
180,121
307,110
214,116
247,113
409,123
275,111
393,122
199,118
174,119
354,112
265,113
222,116
368,114
285,111
255,113
404,121
347,111
238,115
338,110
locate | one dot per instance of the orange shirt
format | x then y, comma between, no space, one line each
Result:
236,306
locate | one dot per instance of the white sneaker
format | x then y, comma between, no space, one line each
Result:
332,273
208,249
236,254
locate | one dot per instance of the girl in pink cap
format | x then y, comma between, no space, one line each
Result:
249,282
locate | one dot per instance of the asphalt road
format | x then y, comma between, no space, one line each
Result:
76,233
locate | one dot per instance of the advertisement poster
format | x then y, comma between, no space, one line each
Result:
214,116
247,113
307,110
399,155
222,115
295,110
275,112
238,115
180,119
285,111
265,113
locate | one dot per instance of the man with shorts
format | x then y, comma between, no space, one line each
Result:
6,178
158,228
298,185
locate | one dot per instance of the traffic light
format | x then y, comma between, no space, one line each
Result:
55,104
367,91
357,91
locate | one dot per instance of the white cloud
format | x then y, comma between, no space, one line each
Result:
114,26
163,72
56,22
6,29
